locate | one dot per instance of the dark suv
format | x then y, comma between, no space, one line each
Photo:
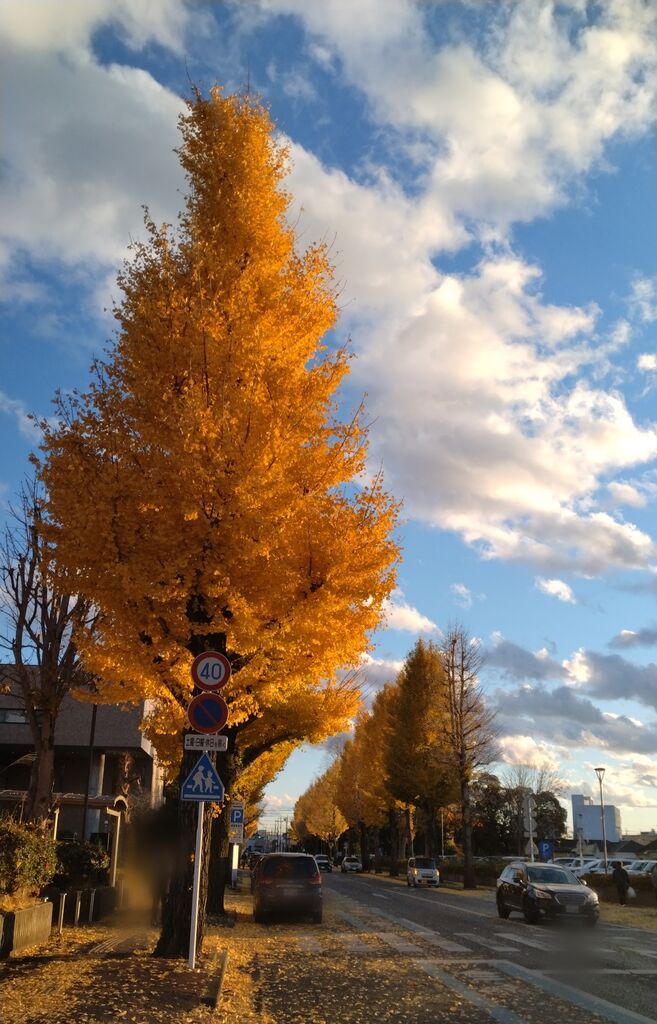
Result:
287,883
545,890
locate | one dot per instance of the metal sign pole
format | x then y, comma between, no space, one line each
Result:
197,885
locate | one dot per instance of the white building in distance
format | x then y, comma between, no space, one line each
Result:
587,820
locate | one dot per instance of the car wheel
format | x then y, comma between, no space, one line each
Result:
531,914
408,882
502,908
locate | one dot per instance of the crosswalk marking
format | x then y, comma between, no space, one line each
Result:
497,947
353,944
500,1014
309,944
398,943
525,942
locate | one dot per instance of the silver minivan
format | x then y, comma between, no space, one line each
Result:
422,871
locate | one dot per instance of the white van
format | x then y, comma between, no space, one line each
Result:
422,870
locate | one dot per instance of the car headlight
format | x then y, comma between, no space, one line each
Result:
415,871
538,894
592,897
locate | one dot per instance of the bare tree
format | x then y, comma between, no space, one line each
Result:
37,630
472,736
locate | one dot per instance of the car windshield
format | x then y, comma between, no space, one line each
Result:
352,860
288,867
551,876
425,862
322,857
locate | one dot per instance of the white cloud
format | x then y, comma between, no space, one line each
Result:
643,303
398,614
86,144
623,493
647,361
526,750
462,595
555,588
578,667
19,413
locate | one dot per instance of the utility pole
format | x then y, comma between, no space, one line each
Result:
600,773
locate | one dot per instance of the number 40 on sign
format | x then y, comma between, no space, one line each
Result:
211,670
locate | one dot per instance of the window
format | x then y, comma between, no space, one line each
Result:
12,716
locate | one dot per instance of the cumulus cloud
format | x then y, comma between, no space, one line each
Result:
564,717
398,614
612,677
19,413
644,637
87,144
643,303
486,419
647,361
555,588
515,662
525,750
462,595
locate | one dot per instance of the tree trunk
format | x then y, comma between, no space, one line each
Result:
39,794
410,852
393,818
177,913
220,868
469,878
362,830
431,831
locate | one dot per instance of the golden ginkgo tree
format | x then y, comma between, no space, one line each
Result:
204,491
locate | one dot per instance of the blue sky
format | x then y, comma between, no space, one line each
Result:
487,173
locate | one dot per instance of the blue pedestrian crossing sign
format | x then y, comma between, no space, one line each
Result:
203,783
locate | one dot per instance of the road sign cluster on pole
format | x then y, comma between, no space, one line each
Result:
207,714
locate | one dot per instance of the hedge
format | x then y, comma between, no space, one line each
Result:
28,856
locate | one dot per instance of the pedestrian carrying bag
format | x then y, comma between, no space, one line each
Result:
631,893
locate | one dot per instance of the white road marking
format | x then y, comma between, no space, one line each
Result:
525,942
353,944
497,1012
309,944
594,1004
398,943
430,936
452,906
380,896
495,946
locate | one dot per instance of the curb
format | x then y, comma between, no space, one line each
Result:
213,993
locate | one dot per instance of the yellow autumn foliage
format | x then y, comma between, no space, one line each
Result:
206,466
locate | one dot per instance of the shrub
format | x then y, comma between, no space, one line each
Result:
78,861
28,856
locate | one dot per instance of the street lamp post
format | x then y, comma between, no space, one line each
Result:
600,773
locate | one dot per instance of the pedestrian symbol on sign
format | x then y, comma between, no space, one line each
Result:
203,783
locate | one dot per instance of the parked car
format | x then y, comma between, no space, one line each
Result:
287,883
422,871
641,867
588,865
545,890
323,863
351,864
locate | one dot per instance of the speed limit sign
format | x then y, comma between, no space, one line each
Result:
211,670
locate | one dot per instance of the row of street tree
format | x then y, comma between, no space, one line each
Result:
203,493
419,750
416,764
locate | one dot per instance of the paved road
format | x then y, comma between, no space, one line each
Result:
606,974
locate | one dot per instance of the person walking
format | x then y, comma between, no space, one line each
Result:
621,880
653,878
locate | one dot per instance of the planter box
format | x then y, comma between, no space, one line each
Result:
24,928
